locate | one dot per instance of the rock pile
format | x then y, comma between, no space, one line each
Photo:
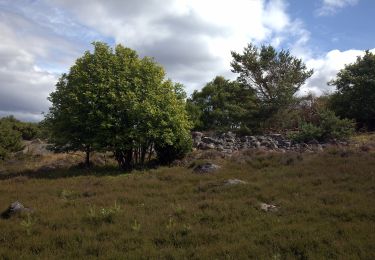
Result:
229,142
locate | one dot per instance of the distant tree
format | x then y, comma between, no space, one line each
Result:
222,105
355,96
274,76
10,139
114,100
28,130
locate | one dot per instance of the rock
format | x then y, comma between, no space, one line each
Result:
231,182
47,168
227,143
206,146
257,144
14,208
268,207
206,168
197,137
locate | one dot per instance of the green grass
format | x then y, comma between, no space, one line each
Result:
326,211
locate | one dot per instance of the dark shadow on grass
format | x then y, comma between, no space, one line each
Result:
73,171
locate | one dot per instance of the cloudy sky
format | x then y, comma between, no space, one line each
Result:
192,39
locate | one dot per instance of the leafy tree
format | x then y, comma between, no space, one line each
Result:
76,112
274,76
355,96
114,100
222,105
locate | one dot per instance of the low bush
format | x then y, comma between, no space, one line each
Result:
327,127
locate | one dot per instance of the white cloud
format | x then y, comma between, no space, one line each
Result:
330,7
24,87
191,38
326,68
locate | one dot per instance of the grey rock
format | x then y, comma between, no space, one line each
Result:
231,182
257,144
206,168
206,146
14,208
268,207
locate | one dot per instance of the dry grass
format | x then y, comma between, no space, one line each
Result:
326,210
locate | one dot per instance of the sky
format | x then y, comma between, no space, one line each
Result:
192,39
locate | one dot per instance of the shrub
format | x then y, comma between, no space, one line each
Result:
307,132
327,127
10,139
167,153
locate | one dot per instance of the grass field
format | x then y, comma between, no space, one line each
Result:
325,201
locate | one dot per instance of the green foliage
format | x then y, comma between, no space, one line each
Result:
274,76
10,138
167,153
326,127
307,132
222,105
355,96
114,100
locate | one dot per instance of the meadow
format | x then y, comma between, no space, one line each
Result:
325,209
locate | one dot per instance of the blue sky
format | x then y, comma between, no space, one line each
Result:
192,39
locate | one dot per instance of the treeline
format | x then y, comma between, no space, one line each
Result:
113,100
263,98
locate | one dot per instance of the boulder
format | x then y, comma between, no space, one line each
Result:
231,182
206,168
268,207
14,208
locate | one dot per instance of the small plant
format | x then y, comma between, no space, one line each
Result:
179,210
136,226
28,224
68,195
104,214
170,224
185,229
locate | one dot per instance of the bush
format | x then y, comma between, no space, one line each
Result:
10,139
327,127
307,132
166,153
333,127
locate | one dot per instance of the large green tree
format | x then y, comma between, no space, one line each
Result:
114,100
222,105
355,96
274,76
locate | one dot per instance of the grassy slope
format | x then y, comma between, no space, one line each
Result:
326,211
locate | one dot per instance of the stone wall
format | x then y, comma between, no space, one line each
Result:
229,143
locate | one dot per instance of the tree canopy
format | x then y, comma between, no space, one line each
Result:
274,76
222,105
355,96
114,100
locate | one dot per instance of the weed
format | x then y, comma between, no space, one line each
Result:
136,226
103,214
170,224
28,224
